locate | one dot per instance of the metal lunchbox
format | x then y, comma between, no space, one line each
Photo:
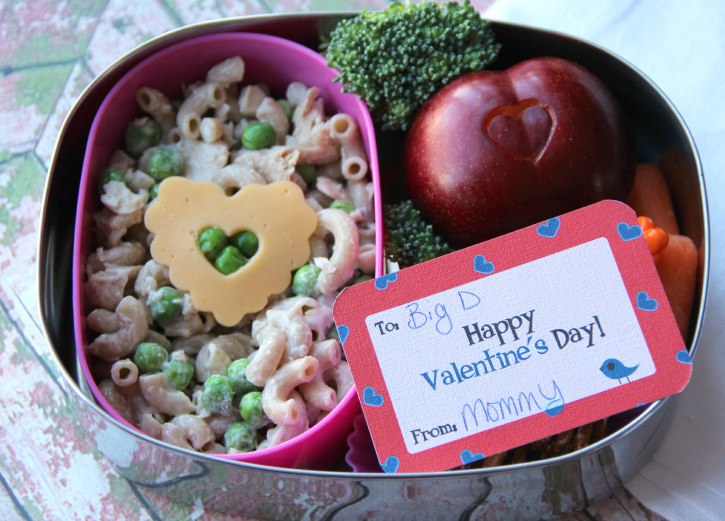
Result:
533,490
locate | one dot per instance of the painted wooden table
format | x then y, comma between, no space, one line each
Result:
49,51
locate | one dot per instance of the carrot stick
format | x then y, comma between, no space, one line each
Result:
651,197
678,271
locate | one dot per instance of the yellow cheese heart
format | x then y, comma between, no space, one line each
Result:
278,215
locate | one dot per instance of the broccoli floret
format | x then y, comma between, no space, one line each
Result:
408,239
397,58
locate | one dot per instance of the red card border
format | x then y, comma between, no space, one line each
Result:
638,272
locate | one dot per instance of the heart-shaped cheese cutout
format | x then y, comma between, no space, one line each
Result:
276,213
523,129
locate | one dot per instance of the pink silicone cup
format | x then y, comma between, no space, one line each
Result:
361,455
271,60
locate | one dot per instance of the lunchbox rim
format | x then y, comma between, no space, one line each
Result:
134,56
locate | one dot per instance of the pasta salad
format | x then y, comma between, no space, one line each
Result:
169,368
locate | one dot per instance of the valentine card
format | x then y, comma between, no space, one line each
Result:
521,337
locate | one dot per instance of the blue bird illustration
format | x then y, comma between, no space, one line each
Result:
616,370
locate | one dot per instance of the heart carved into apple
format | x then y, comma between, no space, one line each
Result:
495,151
523,129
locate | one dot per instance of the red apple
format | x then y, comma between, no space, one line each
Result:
494,151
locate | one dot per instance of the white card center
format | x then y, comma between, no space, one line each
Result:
560,329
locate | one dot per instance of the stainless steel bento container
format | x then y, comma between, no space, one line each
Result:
534,490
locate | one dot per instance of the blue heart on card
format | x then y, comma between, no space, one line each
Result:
550,228
372,399
684,357
554,408
391,465
481,266
343,331
645,303
382,282
627,232
468,457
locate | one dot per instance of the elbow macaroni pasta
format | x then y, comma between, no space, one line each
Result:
344,130
112,393
279,408
228,71
211,129
124,373
132,329
272,344
270,112
316,391
250,99
159,394
157,105
188,119
292,356
282,433
339,268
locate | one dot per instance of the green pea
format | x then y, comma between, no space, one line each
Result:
217,395
142,134
165,163
287,107
154,192
166,303
345,206
149,356
251,409
211,242
259,135
238,377
305,280
179,374
240,437
307,172
108,175
246,242
229,260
